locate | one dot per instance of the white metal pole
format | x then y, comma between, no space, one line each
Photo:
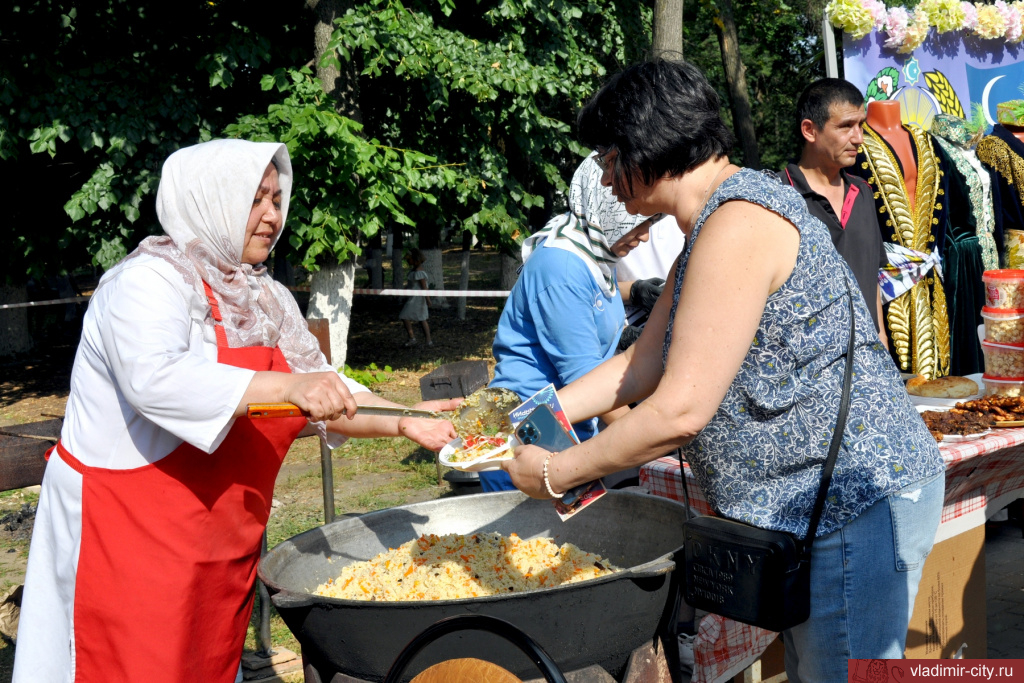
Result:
828,36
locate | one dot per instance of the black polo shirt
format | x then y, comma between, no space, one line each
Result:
856,234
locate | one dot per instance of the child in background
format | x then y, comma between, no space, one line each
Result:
416,307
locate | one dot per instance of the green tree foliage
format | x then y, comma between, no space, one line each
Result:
468,113
93,97
491,87
781,50
347,186
468,109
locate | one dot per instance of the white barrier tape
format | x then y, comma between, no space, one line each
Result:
374,292
433,292
26,304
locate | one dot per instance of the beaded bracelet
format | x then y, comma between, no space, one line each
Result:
547,482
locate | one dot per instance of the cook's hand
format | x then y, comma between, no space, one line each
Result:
431,434
321,396
442,405
527,470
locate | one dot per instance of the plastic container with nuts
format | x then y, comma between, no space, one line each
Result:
1003,386
1003,360
1004,288
1004,325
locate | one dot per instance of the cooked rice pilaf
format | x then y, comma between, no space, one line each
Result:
453,566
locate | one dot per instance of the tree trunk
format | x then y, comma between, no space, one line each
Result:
341,85
668,29
435,274
467,245
375,262
510,263
735,77
397,254
14,336
330,297
331,287
283,271
430,245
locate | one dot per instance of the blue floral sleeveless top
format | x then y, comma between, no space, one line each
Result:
759,459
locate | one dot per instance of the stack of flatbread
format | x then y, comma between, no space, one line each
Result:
942,387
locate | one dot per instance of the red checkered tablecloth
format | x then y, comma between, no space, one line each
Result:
982,477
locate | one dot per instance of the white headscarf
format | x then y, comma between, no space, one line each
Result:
595,221
203,202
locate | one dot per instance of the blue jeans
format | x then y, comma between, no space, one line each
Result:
863,583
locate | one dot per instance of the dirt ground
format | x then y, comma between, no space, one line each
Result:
35,388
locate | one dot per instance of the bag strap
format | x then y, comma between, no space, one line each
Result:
833,447
837,434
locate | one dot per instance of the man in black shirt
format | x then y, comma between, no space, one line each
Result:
830,112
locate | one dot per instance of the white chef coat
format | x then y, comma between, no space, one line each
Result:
653,258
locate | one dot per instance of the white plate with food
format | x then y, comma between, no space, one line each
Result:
957,438
944,392
937,424
483,453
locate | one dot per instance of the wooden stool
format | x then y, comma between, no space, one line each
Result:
468,670
472,670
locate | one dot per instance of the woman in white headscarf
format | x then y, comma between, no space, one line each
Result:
154,501
565,313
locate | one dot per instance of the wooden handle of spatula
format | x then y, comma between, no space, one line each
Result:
273,410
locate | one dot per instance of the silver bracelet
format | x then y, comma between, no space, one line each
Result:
547,482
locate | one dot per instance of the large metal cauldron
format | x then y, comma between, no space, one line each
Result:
592,622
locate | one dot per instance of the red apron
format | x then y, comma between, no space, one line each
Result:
164,588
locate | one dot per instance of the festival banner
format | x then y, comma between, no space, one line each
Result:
948,73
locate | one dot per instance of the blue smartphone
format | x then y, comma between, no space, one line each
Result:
542,428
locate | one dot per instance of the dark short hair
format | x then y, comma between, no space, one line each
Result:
815,102
662,116
415,257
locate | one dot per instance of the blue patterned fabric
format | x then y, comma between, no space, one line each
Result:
759,459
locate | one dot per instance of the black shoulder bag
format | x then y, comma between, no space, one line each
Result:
758,576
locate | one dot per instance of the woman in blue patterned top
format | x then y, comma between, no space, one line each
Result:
741,366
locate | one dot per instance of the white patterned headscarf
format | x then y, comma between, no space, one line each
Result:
203,203
594,222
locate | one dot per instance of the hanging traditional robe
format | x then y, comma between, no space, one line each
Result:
1003,156
962,254
917,321
955,139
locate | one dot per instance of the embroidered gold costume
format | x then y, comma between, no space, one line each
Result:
996,153
918,320
1003,156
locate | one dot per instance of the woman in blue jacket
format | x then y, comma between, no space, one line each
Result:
565,313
